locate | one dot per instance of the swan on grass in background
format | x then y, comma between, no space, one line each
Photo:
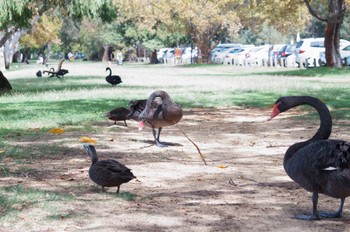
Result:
113,79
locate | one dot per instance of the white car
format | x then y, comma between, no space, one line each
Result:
160,54
259,54
344,51
308,51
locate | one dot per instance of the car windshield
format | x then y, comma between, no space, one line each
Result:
300,43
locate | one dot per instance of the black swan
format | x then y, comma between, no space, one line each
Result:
158,112
60,71
113,80
118,114
319,165
107,173
39,73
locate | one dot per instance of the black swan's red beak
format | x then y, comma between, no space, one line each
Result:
274,112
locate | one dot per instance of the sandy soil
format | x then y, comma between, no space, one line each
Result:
243,187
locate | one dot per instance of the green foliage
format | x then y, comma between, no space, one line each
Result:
15,13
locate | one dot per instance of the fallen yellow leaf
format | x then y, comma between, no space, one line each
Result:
85,139
56,131
222,166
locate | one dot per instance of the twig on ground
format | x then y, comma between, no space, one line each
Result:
199,151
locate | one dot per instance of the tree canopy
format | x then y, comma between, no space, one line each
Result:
154,23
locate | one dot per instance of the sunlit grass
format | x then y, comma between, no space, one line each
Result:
82,100
14,199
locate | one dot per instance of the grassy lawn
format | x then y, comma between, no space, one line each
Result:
80,101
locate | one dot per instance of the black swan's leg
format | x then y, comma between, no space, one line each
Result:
337,214
118,189
125,123
156,138
314,215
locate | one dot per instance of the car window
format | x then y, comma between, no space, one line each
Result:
315,44
347,48
300,43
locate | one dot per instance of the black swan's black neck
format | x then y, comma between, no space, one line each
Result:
325,128
159,93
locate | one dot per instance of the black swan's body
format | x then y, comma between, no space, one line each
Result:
113,79
39,73
319,165
118,114
107,173
60,71
135,108
158,111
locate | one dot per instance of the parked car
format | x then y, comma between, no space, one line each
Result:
230,56
285,52
188,53
276,49
308,51
220,57
238,57
160,54
344,51
258,54
220,48
168,56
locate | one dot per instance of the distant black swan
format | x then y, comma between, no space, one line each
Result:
113,79
319,165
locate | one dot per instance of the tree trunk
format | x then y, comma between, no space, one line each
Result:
2,58
26,56
5,85
11,46
106,53
334,19
154,59
332,33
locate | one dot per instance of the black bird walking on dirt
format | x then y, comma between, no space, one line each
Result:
113,79
118,114
107,173
319,164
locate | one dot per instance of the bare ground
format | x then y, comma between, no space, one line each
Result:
243,187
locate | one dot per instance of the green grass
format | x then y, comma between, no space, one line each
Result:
81,101
15,198
312,72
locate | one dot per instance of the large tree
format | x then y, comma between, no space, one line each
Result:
209,21
19,16
333,16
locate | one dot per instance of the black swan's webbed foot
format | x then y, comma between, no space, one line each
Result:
307,217
159,144
330,215
337,214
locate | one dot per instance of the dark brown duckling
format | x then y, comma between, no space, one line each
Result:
118,114
107,173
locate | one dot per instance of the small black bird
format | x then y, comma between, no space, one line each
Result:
107,173
118,114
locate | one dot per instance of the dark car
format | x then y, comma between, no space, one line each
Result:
285,51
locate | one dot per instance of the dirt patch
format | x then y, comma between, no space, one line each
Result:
243,187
